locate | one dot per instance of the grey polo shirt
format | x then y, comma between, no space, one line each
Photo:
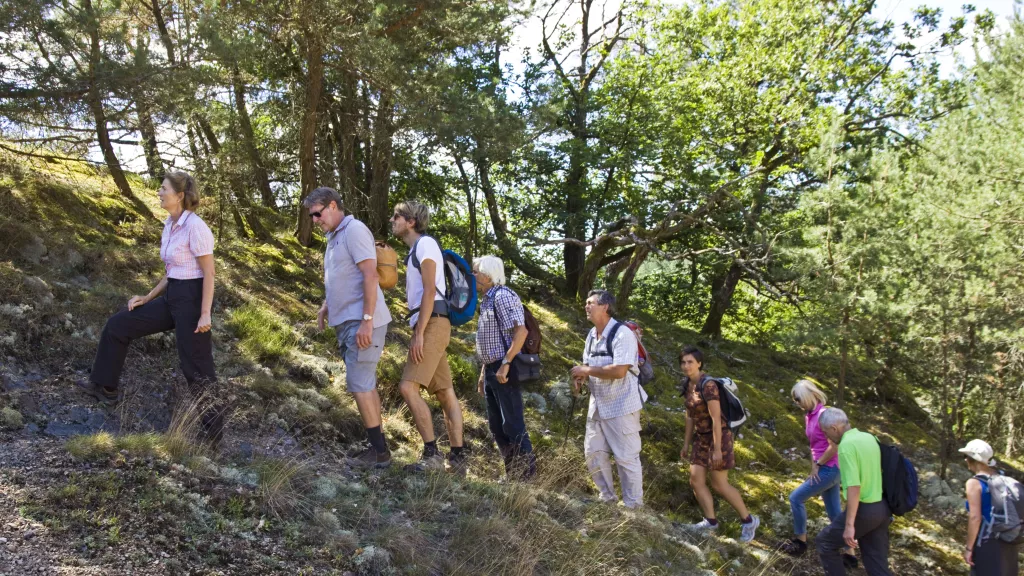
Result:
349,244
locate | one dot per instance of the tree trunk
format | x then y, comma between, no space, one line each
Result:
95,98
161,26
622,300
722,288
381,160
259,170
574,256
844,354
508,249
154,163
468,189
307,138
592,264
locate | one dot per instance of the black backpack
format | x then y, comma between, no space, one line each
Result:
899,480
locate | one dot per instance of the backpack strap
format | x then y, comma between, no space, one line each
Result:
411,258
700,387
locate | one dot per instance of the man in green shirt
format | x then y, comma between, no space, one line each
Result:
865,522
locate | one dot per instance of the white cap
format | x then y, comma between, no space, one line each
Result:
979,450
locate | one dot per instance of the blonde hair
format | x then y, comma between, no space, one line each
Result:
807,395
413,210
184,183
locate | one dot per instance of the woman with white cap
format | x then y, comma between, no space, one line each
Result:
985,552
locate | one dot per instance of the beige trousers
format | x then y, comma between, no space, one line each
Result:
619,437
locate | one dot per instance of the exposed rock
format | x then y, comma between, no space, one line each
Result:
33,250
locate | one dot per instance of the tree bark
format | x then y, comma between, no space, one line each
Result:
161,26
722,288
307,138
259,170
95,98
626,289
468,189
381,160
154,163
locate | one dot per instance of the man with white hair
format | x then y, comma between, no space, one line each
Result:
500,335
866,518
613,419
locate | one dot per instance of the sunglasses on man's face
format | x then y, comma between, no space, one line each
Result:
396,216
318,213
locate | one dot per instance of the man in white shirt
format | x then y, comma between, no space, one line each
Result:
613,419
428,351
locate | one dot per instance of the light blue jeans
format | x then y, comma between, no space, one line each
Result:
827,485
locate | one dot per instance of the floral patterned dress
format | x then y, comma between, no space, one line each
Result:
703,439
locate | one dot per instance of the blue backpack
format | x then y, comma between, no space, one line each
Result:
459,284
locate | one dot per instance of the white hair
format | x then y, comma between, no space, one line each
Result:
808,395
492,266
832,417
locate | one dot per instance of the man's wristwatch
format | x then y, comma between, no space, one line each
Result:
505,361
367,317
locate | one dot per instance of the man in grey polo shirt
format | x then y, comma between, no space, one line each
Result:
354,306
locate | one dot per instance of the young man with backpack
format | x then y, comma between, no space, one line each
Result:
354,306
501,334
867,516
994,504
708,442
613,419
428,357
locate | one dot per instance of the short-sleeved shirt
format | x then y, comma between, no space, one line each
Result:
501,311
426,249
697,407
860,464
182,243
610,398
348,245
817,438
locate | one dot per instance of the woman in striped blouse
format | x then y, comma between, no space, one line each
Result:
182,301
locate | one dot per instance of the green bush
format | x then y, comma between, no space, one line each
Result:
263,334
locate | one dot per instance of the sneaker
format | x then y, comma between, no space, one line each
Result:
458,465
850,561
793,547
702,526
370,458
427,462
749,529
105,396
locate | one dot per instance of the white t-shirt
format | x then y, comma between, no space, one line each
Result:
426,249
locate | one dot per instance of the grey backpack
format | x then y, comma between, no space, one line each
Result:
1007,508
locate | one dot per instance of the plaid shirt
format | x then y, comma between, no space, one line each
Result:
182,243
621,396
500,312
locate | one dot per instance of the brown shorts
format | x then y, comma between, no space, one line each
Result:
704,445
432,372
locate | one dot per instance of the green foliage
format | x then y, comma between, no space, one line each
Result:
262,333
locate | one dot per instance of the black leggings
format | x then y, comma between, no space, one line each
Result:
179,310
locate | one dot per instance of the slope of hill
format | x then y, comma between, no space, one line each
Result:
86,491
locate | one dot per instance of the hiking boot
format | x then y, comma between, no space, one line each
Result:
749,529
850,561
370,458
458,465
702,526
427,461
105,396
793,547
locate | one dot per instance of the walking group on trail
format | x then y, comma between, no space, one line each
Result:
876,481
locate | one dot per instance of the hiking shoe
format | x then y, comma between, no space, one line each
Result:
850,561
105,396
370,458
749,529
793,547
702,526
458,465
427,462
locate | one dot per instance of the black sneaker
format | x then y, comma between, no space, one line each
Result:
794,547
105,396
850,561
370,458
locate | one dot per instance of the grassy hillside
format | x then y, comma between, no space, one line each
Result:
83,491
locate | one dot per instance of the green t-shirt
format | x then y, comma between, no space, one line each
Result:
860,464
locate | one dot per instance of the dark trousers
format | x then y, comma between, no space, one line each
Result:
995,558
179,310
505,414
871,530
